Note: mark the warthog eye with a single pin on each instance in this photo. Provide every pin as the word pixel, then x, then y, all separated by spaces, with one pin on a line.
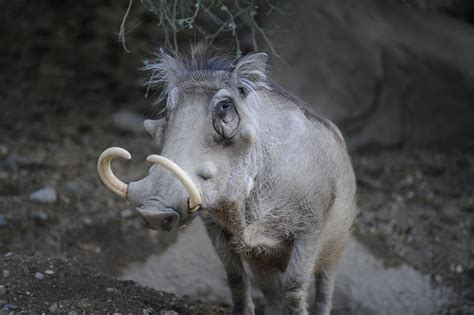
pixel 223 108
pixel 226 118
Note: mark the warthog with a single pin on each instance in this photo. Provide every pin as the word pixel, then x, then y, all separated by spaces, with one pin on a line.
pixel 273 184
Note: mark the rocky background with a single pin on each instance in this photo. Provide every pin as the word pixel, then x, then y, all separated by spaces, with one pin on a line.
pixel 396 76
pixel 385 71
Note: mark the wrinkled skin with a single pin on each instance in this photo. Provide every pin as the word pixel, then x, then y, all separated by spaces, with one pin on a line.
pixel 189 139
pixel 277 184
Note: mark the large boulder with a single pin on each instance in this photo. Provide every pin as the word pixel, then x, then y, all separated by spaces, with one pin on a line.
pixel 383 71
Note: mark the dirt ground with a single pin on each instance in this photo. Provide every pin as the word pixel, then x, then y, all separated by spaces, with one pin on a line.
pixel 58 92
pixel 417 207
pixel 49 285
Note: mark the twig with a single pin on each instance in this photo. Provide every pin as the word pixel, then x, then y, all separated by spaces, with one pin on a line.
pixel 122 27
pixel 226 17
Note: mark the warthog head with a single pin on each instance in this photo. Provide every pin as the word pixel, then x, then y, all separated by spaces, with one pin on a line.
pixel 207 139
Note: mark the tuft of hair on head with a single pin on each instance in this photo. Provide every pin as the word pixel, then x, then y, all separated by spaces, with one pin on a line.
pixel 163 72
pixel 168 70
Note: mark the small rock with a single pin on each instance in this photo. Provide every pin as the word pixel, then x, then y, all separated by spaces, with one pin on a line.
pixel 44 195
pixel 40 217
pixel 53 308
pixel 84 303
pixel 127 213
pixel 87 221
pixel 6 273
pixel 3 151
pixel 49 272
pixel 3 290
pixel 9 307
pixel 125 120
pixel 72 187
pixel 169 312
pixel 39 276
pixel 64 199
pixel 110 290
pixel 3 221
pixel 12 162
pixel 438 278
pixel 468 205
pixel 8 254
pixel 459 269
pixel 148 310
pixel 408 180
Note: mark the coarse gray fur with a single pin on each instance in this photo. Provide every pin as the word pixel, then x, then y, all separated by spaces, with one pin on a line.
pixel 277 183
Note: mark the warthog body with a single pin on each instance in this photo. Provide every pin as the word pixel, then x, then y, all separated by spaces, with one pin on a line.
pixel 277 185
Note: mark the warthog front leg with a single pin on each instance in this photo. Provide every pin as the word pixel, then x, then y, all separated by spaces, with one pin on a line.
pixel 324 282
pixel 236 276
pixel 298 274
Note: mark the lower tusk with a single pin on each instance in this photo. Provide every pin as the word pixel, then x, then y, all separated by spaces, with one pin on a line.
pixel 195 198
pixel 105 172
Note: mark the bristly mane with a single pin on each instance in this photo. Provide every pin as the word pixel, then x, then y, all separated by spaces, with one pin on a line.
pixel 167 71
pixel 204 63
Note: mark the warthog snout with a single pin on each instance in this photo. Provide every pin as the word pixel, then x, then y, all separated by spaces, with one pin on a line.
pixel 166 219
pixel 156 215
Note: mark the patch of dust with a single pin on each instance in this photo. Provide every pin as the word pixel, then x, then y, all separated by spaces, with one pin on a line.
pixel 190 267
pixel 365 286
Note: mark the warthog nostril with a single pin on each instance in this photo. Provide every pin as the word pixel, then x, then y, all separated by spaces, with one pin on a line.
pixel 166 219
pixel 166 223
pixel 170 221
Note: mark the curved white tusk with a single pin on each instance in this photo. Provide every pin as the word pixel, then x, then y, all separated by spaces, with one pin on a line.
pixel 106 174
pixel 195 198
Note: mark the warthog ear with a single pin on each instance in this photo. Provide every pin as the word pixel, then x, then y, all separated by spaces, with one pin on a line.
pixel 249 72
pixel 153 127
